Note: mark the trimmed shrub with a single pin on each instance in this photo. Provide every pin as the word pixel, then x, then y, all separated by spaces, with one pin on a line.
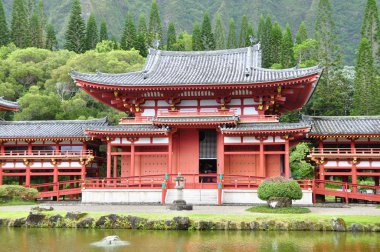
pixel 9 192
pixel 279 187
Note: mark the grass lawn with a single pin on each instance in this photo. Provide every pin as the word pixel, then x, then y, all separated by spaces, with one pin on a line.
pixel 16 202
pixel 282 210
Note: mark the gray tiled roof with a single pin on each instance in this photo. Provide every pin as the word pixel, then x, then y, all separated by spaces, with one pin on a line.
pixel 128 128
pixel 8 104
pixel 239 66
pixel 195 119
pixel 47 129
pixel 344 125
pixel 274 126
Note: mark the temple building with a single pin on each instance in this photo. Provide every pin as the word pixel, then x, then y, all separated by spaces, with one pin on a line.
pixel 211 116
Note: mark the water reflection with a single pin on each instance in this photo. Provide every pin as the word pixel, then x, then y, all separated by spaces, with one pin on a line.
pixel 80 240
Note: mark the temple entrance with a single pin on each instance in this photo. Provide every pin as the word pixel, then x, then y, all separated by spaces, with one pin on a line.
pixel 207 155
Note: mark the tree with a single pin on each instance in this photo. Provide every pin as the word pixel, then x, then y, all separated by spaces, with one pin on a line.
pixel 92 37
pixel 197 38
pixel 261 29
pixel 140 45
pixel 276 44
pixel 128 39
pixel 142 25
pixel 243 32
pixel 306 53
pixel 250 34
pixel 231 40
pixel 76 31
pixel 51 40
pixel 43 23
pixel 220 42
pixel 371 30
pixel 36 32
pixel 265 31
pixel 184 42
pixel 172 37
pixel 206 33
pixel 301 35
pixel 103 33
pixel 4 32
pixel 20 25
pixel 299 167
pixel 366 87
pixel 155 27
pixel 287 54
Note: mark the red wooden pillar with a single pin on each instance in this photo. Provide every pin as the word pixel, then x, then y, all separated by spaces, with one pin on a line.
pixel 55 181
pixel 115 166
pixel 27 169
pixel 132 159
pixel 353 167
pixel 220 156
pixel 170 155
pixel 109 159
pixel 2 151
pixel 262 157
pixel 287 165
pixel 83 171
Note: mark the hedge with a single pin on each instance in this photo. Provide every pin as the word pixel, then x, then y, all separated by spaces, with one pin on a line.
pixel 9 192
pixel 279 187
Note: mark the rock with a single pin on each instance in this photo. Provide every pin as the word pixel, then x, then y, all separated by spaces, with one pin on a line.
pixel 4 222
pixel 75 215
pixel 112 221
pixel 181 223
pixel 355 227
pixel 299 226
pixel 55 220
pixel 179 205
pixel 18 222
pixel 254 225
pixel 137 222
pixel 277 202
pixel 231 226
pixel 35 219
pixel 338 224
pixel 41 209
pixel 204 225
pixel 85 223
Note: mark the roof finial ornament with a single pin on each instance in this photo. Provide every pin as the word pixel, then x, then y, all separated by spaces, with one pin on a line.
pixel 156 43
pixel 252 39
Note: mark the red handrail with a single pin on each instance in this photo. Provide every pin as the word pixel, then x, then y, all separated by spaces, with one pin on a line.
pixel 46 153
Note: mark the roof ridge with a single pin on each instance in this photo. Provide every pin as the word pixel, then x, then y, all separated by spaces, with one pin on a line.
pixel 201 53
pixel 307 117
pixel 96 120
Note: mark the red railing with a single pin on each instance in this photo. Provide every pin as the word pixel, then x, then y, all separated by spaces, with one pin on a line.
pixel 241 181
pixel 49 153
pixel 306 184
pixel 148 181
pixel 258 118
pixel 346 190
pixel 57 189
pixel 345 151
pixel 137 119
pixel 195 181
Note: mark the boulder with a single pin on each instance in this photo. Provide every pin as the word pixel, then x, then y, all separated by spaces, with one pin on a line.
pixel 277 202
pixel 85 223
pixel 181 223
pixel 338 224
pixel 75 215
pixel 35 219
pixel 137 222
pixel 55 220
pixel 4 222
pixel 355 227
pixel 18 222
pixel 41 209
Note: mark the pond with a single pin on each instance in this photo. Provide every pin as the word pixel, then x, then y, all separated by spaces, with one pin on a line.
pixel 71 240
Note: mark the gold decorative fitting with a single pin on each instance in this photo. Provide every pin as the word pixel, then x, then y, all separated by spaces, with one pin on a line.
pixel 354 160
pixel 53 161
pixel 26 162
pixel 116 93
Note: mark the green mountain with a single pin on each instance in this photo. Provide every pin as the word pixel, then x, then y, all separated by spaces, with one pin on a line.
pixel 348 14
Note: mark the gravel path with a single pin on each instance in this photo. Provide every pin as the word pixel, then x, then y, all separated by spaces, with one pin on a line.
pixel 352 210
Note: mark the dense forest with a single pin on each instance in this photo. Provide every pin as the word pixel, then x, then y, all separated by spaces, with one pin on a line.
pixel 42 41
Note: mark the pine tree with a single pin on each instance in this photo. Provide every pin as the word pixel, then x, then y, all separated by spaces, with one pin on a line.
pixel 276 44
pixel 231 40
pixel 287 53
pixel 51 40
pixel 250 34
pixel 42 16
pixel 20 25
pixel 364 100
pixel 206 33
pixel 4 32
pixel 265 32
pixel 301 35
pixel 35 29
pixel 172 37
pixel 155 27
pixel 243 32
pixel 371 30
pixel 128 39
pixel 197 38
pixel 260 28
pixel 220 42
pixel 92 37
pixel 142 25
pixel 103 33
pixel 140 44
pixel 76 31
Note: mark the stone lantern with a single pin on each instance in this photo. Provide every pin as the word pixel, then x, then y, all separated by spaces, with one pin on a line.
pixel 180 204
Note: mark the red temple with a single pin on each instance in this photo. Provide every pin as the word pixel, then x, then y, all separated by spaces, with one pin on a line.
pixel 212 116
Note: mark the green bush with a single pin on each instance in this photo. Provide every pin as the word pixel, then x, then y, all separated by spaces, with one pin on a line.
pixel 11 192
pixel 279 187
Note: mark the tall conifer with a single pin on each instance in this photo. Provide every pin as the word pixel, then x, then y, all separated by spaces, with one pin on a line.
pixel 76 30
pixel 172 37
pixel 4 32
pixel 287 53
pixel 207 35
pixel 260 28
pixel 103 33
pixel 220 42
pixel 301 35
pixel 250 34
pixel 197 38
pixel 20 25
pixel 265 32
pixel 141 43
pixel 92 36
pixel 128 39
pixel 155 26
pixel 243 32
pixel 35 29
pixel 276 44
pixel 51 40
pixel 142 24
pixel 231 40
pixel 371 30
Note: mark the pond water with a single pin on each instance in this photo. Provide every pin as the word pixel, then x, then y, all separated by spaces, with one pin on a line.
pixel 71 240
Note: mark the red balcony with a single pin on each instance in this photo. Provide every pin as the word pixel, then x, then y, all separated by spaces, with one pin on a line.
pixel 47 154
pixel 343 153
